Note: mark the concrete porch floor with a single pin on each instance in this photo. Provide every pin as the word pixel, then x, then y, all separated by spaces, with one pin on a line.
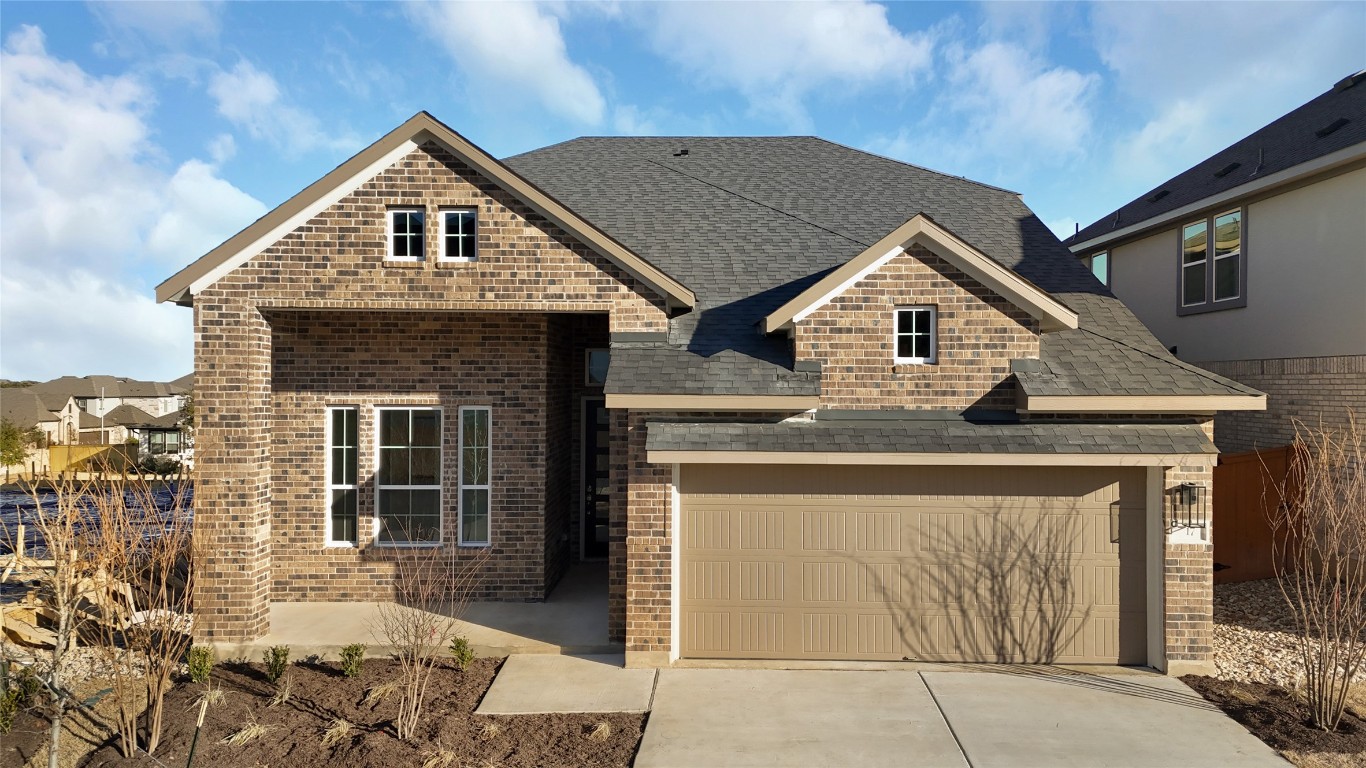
pixel 572 620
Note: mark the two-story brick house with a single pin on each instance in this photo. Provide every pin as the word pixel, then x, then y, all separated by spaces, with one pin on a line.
pixel 806 402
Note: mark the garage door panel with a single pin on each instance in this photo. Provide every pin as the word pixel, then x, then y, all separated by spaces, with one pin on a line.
pixel 1021 565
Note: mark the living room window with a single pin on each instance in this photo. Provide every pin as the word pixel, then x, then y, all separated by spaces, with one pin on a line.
pixel 475 456
pixel 458 240
pixel 409 481
pixel 914 335
pixel 407 237
pixel 1212 272
pixel 342 493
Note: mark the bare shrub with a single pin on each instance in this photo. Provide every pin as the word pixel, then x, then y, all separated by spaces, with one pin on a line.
pixel 341 730
pixel 1319 537
pixel 438 757
pixel 142 590
pixel 380 692
pixel 284 687
pixel 432 590
pixel 246 734
pixel 490 731
pixel 600 732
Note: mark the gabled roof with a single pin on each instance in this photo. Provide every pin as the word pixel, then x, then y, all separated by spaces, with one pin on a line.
pixel 97 385
pixel 420 128
pixel 24 408
pixel 921 230
pixel 1326 133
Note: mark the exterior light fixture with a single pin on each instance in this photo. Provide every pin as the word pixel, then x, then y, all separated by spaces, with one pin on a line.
pixel 1189 506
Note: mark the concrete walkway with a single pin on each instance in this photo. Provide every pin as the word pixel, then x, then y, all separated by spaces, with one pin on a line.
pixel 538 683
pixel 572 620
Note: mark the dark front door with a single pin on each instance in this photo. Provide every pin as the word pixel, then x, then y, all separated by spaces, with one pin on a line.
pixel 596 486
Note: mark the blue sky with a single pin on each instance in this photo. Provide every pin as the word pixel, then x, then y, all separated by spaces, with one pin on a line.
pixel 134 137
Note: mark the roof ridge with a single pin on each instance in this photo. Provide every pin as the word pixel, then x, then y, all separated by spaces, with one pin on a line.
pixel 945 174
pixel 760 203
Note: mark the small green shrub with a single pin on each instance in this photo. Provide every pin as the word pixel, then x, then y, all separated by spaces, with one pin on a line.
pixel 277 660
pixel 9 707
pixel 26 686
pixel 462 653
pixel 352 657
pixel 200 661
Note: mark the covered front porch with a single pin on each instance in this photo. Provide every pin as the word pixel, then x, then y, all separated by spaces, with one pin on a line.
pixel 571 620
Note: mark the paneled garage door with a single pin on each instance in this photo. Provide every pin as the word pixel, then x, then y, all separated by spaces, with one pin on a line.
pixel 1002 564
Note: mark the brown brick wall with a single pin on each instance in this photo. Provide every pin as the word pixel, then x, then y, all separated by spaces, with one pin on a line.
pixel 376 359
pixel 979 333
pixel 1189 578
pixel 1312 389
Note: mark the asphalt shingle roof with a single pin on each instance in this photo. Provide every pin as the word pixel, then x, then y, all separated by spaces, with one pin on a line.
pixel 748 223
pixel 925 436
pixel 1284 143
pixel 23 407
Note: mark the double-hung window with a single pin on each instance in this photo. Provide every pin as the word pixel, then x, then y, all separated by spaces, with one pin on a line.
pixel 342 493
pixel 914 335
pixel 475 456
pixel 407 239
pixel 409 482
pixel 458 236
pixel 1212 263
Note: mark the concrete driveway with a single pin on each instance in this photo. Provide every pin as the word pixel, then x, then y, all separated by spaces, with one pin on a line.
pixel 1025 717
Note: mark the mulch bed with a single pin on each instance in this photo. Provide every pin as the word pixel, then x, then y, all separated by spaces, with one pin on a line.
pixel 1272 715
pixel 319 694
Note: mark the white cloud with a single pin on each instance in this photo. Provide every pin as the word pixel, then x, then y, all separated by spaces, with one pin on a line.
pixel 90 219
pixel 222 147
pixel 251 99
pixel 173 25
pixel 510 51
pixel 777 54
pixel 1191 71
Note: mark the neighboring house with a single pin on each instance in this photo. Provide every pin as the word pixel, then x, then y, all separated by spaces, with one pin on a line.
pixel 806 402
pixel 98 395
pixel 1276 300
pixel 110 409
pixel 26 410
pixel 156 435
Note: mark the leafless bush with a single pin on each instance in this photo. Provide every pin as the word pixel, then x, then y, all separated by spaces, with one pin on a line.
pixel 144 595
pixel 1319 536
pixel 432 590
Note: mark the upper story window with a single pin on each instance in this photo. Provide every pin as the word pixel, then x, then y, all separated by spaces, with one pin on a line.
pixel 458 234
pixel 915 335
pixel 407 237
pixel 1099 264
pixel 1212 274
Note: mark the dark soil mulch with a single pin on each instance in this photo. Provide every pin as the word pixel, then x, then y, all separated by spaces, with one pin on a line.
pixel 1272 714
pixel 27 738
pixel 319 694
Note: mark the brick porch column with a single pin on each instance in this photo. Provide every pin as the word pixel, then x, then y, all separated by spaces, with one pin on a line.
pixel 232 462
pixel 1189 583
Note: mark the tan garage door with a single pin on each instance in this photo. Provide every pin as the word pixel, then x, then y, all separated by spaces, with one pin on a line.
pixel 1007 564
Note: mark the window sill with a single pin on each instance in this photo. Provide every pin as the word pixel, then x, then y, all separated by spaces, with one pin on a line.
pixel 407 544
pixel 456 263
pixel 405 263
pixel 912 366
pixel 339 545
pixel 1214 306
pixel 475 545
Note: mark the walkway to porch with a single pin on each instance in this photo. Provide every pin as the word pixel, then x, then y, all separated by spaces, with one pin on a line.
pixel 572 620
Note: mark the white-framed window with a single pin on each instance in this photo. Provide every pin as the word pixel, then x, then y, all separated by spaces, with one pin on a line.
pixel 1099 264
pixel 407 234
pixel 408 477
pixel 1212 263
pixel 914 335
pixel 595 366
pixel 459 238
pixel 476 456
pixel 343 495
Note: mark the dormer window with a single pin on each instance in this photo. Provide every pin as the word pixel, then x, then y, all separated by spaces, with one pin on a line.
pixel 407 238
pixel 914 335
pixel 458 234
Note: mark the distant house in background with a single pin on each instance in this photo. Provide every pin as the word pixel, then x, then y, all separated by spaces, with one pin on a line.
pixel 93 410
pixel 1252 264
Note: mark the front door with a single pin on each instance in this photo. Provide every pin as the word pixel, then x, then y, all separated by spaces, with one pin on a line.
pixel 595 483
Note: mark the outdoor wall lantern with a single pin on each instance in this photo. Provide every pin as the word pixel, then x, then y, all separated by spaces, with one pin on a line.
pixel 1189 506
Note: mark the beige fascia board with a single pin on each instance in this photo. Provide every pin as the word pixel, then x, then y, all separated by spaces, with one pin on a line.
pixel 922 230
pixel 793 403
pixel 1184 404
pixel 1329 162
pixel 356 170
pixel 933 459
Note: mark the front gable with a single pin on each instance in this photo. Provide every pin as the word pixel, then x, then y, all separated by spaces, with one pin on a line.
pixel 977 334
pixel 332 237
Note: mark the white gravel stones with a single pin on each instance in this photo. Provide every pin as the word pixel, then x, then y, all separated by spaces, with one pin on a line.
pixel 1254 635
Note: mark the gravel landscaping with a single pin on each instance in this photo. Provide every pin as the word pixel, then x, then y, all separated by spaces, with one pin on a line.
pixel 1254 635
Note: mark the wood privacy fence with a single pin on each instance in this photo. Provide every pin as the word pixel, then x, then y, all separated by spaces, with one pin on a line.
pixel 1244 497
pixel 82 457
